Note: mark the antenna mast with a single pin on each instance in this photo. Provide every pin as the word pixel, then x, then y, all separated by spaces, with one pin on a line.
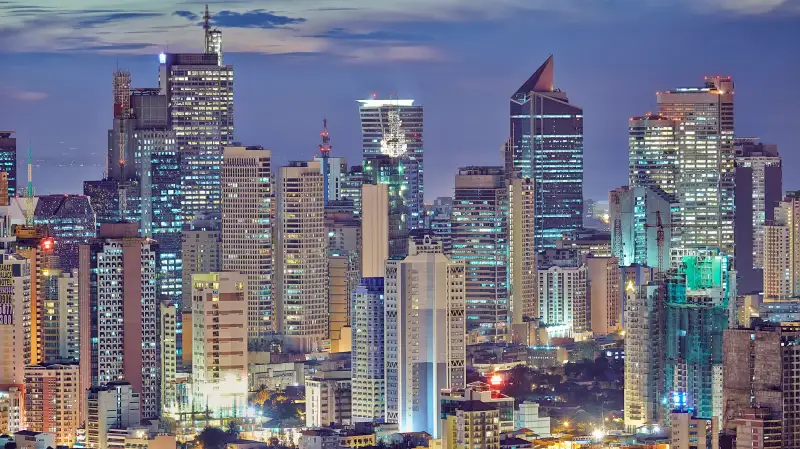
pixel 325 150
pixel 29 199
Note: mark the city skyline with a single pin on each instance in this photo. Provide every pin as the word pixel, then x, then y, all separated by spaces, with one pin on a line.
pixel 476 63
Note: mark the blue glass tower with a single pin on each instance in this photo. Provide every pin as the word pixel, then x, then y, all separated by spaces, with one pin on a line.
pixel 8 160
pixel 547 145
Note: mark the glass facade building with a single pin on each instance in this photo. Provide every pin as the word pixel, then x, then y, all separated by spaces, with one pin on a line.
pixel 70 221
pixel 8 160
pixel 547 146
pixel 383 169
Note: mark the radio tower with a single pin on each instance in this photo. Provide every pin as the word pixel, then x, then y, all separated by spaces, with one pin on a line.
pixel 325 151
pixel 29 200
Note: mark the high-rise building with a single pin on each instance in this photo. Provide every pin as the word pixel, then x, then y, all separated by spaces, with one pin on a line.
pixel 15 317
pixel 698 307
pixel 394 127
pixel 374 230
pixel 219 336
pixel 344 272
pixel 642 316
pixel 479 232
pixel 5 200
pixel 761 370
pixel 200 247
pixel 563 296
pixel 351 187
pixel 247 230
pixel 758 189
pixel 199 90
pixel 705 188
pixel 521 254
pixel 301 257
pixel 634 213
pixel 653 153
pixel 115 405
pixel 118 312
pixel 167 327
pixel 59 320
pixel 547 146
pixel 425 337
pixel 368 351
pixel 604 298
pixel 8 160
pixel 782 250
pixel 112 200
pixel 52 400
pixel 70 221
pixel 386 170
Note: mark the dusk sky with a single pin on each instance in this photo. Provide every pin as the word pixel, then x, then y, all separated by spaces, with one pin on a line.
pixel 299 61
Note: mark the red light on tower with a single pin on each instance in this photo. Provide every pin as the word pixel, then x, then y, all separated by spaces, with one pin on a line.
pixel 496 380
pixel 47 244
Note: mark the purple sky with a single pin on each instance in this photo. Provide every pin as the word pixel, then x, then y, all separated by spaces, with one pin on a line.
pixel 461 61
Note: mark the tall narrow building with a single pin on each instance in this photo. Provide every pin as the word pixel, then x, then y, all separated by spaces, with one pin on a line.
pixel 199 90
pixel 480 240
pixel 118 309
pixel 394 127
pixel 344 273
pixel 547 146
pixel 386 170
pixel 8 160
pixel 521 255
pixel 247 230
pixel 425 337
pixel 782 250
pixel 368 369
pixel 705 129
pixel 15 316
pixel 301 257
pixel 759 186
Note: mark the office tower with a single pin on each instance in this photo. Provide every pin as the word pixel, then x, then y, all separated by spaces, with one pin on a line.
pixel 547 146
pixel 59 318
pixel 8 160
pixel 705 188
pixel 219 334
pixel 70 221
pixel 115 405
pixel 200 248
pixel 118 310
pixel 344 272
pixel 15 317
pixel 351 187
pixel 368 351
pixel 383 169
pixel 634 213
pixel 563 297
pixel 301 253
pixel 425 336
pixel 167 327
pixel 604 298
pixel 199 90
pixel 761 371
pixel 782 250
pixel 692 432
pixel 328 399
pixel 52 400
pixel 479 232
pixel 375 230
pixel 642 316
pixel 697 310
pixel 521 254
pixel 758 190
pixel 653 153
pixel 394 127
pixel 112 200
pixel 247 231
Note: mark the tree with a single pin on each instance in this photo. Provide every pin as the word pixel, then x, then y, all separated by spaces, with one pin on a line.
pixel 11 445
pixel 233 429
pixel 213 438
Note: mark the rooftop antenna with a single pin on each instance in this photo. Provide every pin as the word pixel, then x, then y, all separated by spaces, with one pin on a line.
pixel 207 27
pixel 325 150
pixel 29 199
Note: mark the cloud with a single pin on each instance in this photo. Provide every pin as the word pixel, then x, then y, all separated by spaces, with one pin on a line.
pixel 22 95
pixel 385 36
pixel 405 53
pixel 257 18
pixel 187 15
pixel 106 18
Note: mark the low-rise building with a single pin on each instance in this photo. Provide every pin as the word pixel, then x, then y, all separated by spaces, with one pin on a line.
pixel 527 417
pixel 691 432
pixel 481 392
pixel 328 399
pixel 28 439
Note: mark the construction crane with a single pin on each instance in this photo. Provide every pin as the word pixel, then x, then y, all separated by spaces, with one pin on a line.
pixel 660 226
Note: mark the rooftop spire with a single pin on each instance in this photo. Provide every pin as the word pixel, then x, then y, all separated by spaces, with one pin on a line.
pixel 541 80
pixel 325 147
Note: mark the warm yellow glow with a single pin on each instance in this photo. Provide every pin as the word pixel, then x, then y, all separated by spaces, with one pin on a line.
pixel 629 287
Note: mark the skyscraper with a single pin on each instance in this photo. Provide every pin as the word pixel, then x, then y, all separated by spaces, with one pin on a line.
pixel 301 257
pixel 521 253
pixel 384 169
pixel 200 246
pixel 118 309
pixel 368 351
pixel 653 153
pixel 247 230
pixel 394 127
pixel 758 189
pixel 199 90
pixel 705 185
pixel 563 297
pixel 782 250
pixel 375 230
pixel 8 160
pixel 547 146
pixel 15 316
pixel 70 221
pixel 52 400
pixel 344 272
pixel 425 336
pixel 479 232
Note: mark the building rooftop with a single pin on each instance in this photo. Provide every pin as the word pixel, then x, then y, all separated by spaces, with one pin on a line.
pixel 476 406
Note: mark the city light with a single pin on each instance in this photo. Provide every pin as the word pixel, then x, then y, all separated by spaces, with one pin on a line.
pixel 496 379
pixel 598 434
